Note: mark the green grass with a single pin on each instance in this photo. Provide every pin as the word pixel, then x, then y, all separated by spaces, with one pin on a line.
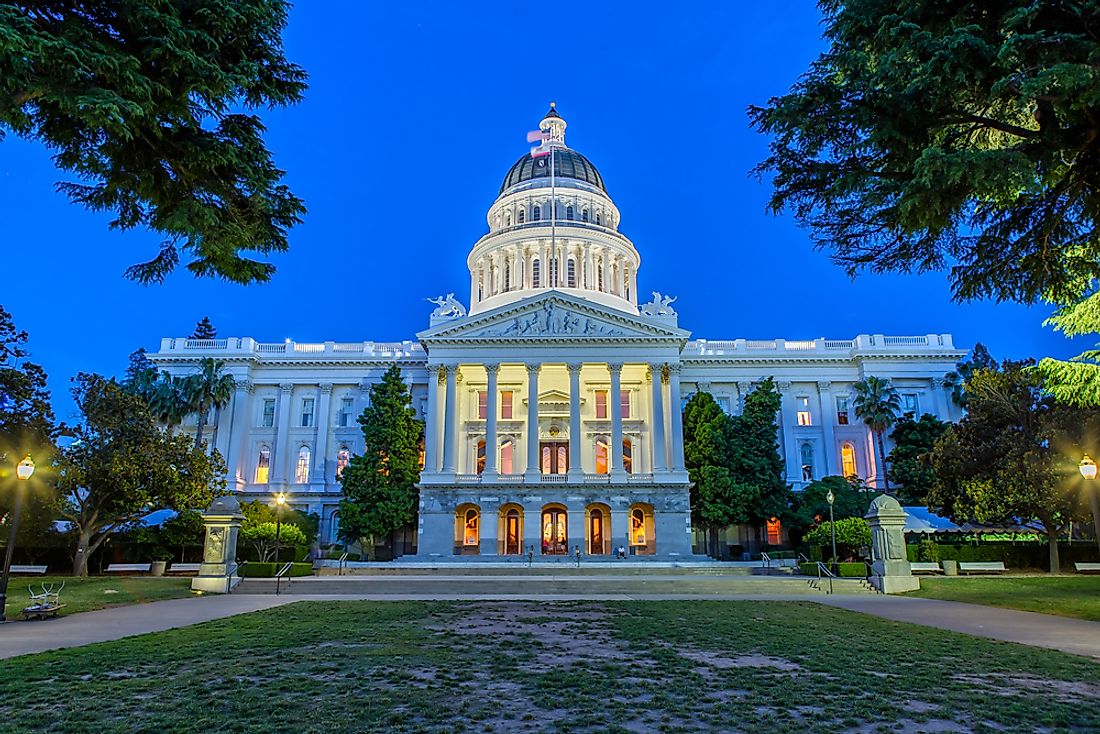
pixel 1066 596
pixel 83 595
pixel 434 667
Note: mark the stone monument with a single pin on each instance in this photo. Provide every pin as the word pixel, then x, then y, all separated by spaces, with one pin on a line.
pixel 891 572
pixel 222 521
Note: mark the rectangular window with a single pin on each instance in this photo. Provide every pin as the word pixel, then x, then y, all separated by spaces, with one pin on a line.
pixel 842 412
pixel 803 406
pixel 267 418
pixel 909 404
pixel 347 406
pixel 263 465
pixel 506 406
pixel 307 412
pixel 624 401
pixel 482 405
pixel 601 404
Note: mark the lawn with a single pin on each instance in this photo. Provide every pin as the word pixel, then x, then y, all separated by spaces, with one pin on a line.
pixel 95 592
pixel 342 667
pixel 1066 596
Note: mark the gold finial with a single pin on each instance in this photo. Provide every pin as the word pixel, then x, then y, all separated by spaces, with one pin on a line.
pixel 553 105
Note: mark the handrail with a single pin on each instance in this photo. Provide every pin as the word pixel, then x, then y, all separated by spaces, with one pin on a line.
pixel 284 570
pixel 343 563
pixel 230 573
pixel 803 558
pixel 765 559
pixel 823 569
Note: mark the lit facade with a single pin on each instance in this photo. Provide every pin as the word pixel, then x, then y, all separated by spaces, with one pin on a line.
pixel 552 407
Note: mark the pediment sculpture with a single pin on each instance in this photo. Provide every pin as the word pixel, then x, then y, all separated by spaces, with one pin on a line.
pixel 446 308
pixel 551 320
pixel 659 306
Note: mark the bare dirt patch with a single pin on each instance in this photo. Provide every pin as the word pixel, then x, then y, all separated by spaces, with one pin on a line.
pixel 753 660
pixel 1011 685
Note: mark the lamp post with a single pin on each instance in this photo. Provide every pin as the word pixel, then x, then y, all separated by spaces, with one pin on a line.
pixel 1087 467
pixel 830 498
pixel 23 472
pixel 280 500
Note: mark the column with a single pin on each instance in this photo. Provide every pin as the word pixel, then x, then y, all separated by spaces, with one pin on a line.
pixel 544 266
pixel 282 423
pixel 743 390
pixel 532 469
pixel 450 420
pixel 939 394
pixel 606 271
pixel 828 417
pixel 324 420
pixel 615 405
pixel 431 421
pixel 491 448
pixel 676 417
pixel 238 432
pixel 589 276
pixel 576 471
pixel 657 419
pixel 522 274
pixel 786 419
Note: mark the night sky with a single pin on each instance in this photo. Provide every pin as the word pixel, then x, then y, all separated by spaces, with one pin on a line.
pixel 415 112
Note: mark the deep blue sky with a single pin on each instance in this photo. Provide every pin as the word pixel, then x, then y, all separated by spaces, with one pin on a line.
pixel 414 114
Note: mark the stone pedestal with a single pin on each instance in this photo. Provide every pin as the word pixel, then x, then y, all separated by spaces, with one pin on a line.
pixel 891 573
pixel 217 574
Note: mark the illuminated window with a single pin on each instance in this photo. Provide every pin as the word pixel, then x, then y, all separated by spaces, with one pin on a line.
pixel 343 456
pixel 807 462
pixel 628 456
pixel 601 456
pixel 569 213
pixel 842 411
pixel 571 273
pixel 637 526
pixel 307 412
pixel 909 404
pixel 481 457
pixel 520 215
pixel 848 460
pixel 775 531
pixel 536 214
pixel 803 405
pixel 506 404
pixel 536 273
pixel 263 465
pixel 624 403
pixel 506 457
pixel 301 469
pixel 267 419
pixel 601 404
pixel 470 533
pixel 482 405
pixel 347 406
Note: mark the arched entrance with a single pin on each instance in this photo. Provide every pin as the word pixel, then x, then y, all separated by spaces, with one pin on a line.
pixel 511 530
pixel 642 542
pixel 555 537
pixel 597 530
pixel 467 530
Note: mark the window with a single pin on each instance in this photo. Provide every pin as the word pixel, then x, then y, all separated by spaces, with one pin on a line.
pixel 506 404
pixel 267 418
pixel 599 274
pixel 601 456
pixel 481 456
pixel 909 404
pixel 571 273
pixel 482 405
pixel 263 465
pixel 301 469
pixel 343 456
pixel 848 460
pixel 536 214
pixel 553 272
pixel 569 213
pixel 508 219
pixel 807 462
pixel 520 215
pixel 343 418
pixel 599 218
pixel 775 531
pixel 842 411
pixel 508 275
pixel 637 526
pixel 470 533
pixel 628 456
pixel 624 403
pixel 536 273
pixel 802 404
pixel 626 283
pixel 307 412
pixel 506 457
pixel 584 215
pixel 601 404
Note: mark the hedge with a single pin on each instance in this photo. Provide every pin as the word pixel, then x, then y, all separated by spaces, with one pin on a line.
pixel 256 569
pixel 847 570
pixel 1014 556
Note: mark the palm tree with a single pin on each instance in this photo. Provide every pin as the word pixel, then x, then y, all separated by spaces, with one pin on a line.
pixel 166 400
pixel 208 388
pixel 877 404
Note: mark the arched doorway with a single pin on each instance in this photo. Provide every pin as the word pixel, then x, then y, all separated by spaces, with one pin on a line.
pixel 642 540
pixel 555 537
pixel 598 530
pixel 511 530
pixel 467 530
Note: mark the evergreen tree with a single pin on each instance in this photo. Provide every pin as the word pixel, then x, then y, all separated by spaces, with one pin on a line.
pixel 980 359
pixel 380 485
pixel 707 433
pixel 877 404
pixel 911 457
pixel 757 464
pixel 810 507
pixel 205 330
pixel 1077 381
pixel 148 105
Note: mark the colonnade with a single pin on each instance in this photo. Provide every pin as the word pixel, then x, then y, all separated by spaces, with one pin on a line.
pixel 595 268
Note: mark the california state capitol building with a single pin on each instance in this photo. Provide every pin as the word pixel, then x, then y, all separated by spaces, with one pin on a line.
pixel 552 404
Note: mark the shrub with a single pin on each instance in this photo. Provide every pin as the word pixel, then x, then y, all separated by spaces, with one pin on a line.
pixel 262 537
pixel 928 551
pixel 852 532
pixel 264 570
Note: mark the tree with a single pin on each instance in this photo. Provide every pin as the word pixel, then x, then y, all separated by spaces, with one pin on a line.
pixel 209 389
pixel 852 533
pixel 380 485
pixel 181 530
pixel 1077 381
pixel 122 466
pixel 262 537
pixel 911 457
pixel 148 105
pixel 1006 461
pixel 757 463
pixel 980 359
pixel 949 133
pixel 258 512
pixel 877 404
pixel 205 330
pixel 168 400
pixel 810 507
pixel 707 455
pixel 26 418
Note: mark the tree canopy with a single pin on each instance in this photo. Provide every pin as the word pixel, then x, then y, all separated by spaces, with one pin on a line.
pixel 810 507
pixel 204 329
pixel 952 134
pixel 149 106
pixel 262 537
pixel 911 458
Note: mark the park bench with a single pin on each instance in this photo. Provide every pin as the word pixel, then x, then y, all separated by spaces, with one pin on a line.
pixel 29 569
pixel 923 567
pixel 129 568
pixel 969 567
pixel 184 568
pixel 1087 567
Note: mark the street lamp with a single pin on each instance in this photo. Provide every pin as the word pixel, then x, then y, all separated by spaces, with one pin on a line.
pixel 280 500
pixel 830 498
pixel 23 471
pixel 1087 467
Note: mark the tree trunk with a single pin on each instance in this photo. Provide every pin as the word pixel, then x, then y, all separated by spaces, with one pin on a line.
pixel 1095 512
pixel 201 425
pixel 80 561
pixel 1052 541
pixel 882 461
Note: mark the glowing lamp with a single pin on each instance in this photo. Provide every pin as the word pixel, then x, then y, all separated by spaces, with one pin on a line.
pixel 26 468
pixel 830 497
pixel 1087 467
pixel 280 499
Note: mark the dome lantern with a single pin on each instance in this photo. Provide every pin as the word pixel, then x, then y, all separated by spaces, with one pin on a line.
pixel 555 125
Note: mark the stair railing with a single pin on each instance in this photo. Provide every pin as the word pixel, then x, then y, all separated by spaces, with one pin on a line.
pixel 823 570
pixel 343 563
pixel 766 559
pixel 232 577
pixel 282 572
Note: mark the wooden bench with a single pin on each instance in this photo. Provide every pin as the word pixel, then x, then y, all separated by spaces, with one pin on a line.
pixel 29 569
pixel 184 568
pixel 981 567
pixel 1087 567
pixel 922 567
pixel 129 567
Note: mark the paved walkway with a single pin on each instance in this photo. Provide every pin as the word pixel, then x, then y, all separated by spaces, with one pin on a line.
pixel 1074 636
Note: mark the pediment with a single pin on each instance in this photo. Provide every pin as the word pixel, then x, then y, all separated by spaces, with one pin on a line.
pixel 552 316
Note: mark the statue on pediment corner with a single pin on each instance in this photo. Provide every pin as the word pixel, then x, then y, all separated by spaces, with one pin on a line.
pixel 660 306
pixel 446 307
